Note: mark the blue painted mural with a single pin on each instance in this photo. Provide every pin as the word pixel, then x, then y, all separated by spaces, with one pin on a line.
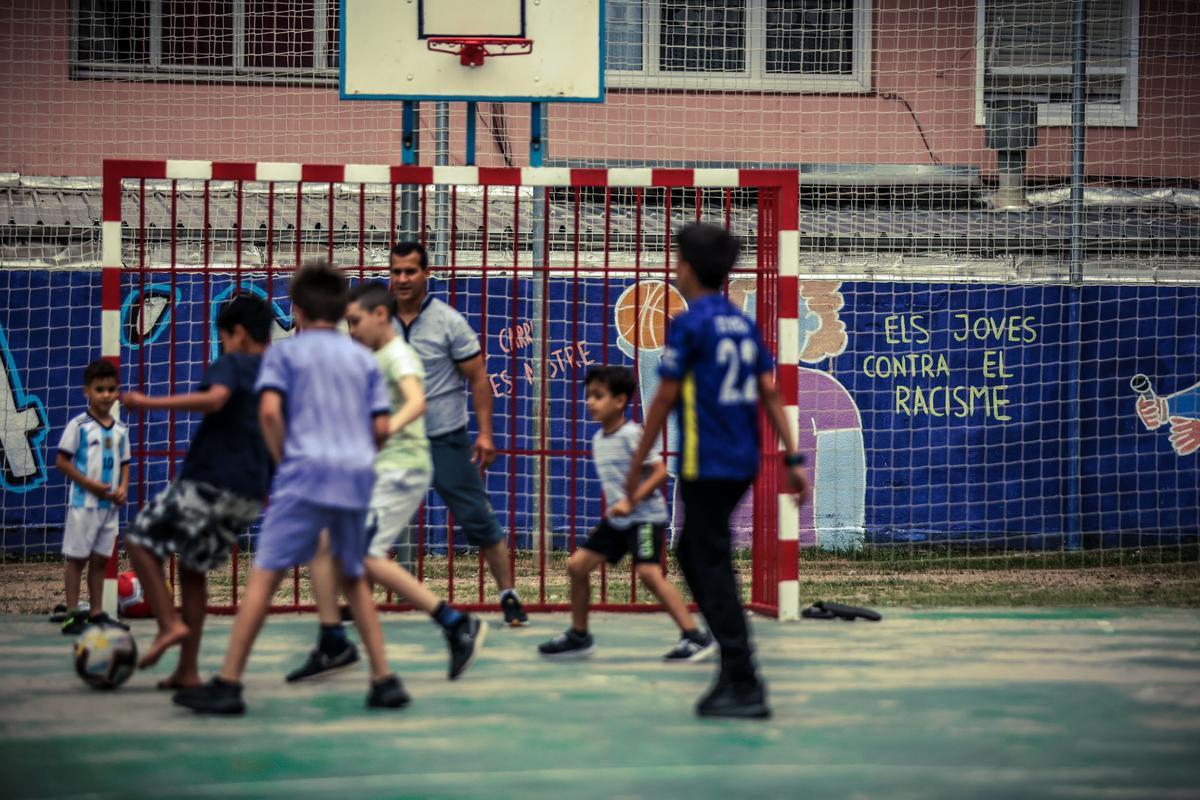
pixel 932 412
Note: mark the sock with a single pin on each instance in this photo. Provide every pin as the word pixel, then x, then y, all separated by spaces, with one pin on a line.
pixel 580 634
pixel 446 615
pixel 332 639
pixel 696 635
pixel 508 592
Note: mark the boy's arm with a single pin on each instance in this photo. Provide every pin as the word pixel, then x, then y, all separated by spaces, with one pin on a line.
pixel 381 427
pixel 656 478
pixel 209 401
pixel 66 467
pixel 768 393
pixel 414 404
pixel 122 492
pixel 656 419
pixel 271 420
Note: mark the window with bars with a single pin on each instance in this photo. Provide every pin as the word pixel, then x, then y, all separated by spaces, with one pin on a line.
pixel 242 40
pixel 1025 51
pixel 767 45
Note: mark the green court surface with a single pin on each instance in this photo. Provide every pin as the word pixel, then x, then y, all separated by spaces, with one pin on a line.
pixel 958 704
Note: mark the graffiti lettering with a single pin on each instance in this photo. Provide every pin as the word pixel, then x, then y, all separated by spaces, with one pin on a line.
pixel 1011 329
pixel 558 364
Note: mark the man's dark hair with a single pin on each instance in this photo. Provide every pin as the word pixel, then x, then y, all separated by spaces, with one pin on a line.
pixel 408 248
pixel 320 291
pixel 373 294
pixel 249 311
pixel 618 380
pixel 98 370
pixel 710 249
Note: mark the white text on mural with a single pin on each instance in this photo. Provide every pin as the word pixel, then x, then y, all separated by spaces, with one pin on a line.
pixel 984 393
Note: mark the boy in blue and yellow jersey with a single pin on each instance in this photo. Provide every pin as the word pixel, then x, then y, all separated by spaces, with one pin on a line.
pixel 94 455
pixel 715 370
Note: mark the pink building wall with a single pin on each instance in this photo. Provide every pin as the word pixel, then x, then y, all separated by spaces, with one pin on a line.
pixel 923 52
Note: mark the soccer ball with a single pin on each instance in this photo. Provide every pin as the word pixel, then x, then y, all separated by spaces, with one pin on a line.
pixel 105 656
pixel 131 599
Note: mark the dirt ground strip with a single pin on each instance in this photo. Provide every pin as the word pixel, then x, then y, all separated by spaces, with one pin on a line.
pixel 34 588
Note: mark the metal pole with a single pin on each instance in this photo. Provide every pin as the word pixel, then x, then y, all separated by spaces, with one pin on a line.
pixel 410 196
pixel 539 259
pixel 441 194
pixel 1078 134
pixel 1078 129
pixel 471 114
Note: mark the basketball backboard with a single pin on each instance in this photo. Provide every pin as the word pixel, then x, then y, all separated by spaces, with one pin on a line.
pixel 386 55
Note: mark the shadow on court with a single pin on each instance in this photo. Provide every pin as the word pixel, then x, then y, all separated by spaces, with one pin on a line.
pixel 979 703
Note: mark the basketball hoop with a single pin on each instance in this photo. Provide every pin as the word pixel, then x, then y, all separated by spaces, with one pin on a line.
pixel 472 52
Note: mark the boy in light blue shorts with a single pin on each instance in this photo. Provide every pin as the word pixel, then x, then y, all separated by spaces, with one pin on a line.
pixel 324 408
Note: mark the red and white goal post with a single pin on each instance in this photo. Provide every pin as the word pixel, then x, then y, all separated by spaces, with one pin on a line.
pixel 540 260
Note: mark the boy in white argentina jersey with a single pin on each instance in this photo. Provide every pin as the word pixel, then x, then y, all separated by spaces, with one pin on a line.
pixel 404 472
pixel 94 455
pixel 633 524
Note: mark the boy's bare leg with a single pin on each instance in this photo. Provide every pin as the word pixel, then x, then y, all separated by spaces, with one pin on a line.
pixel 390 575
pixel 171 629
pixel 323 577
pixel 248 622
pixel 96 564
pixel 194 589
pixel 496 556
pixel 580 567
pixel 656 582
pixel 366 620
pixel 72 577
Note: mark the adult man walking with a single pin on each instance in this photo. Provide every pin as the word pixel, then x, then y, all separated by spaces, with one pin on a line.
pixel 449 350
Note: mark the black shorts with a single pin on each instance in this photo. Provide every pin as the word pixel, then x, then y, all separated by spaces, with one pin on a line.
pixel 643 539
pixel 197 522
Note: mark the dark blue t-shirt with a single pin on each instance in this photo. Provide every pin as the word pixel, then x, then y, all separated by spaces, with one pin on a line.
pixel 717 354
pixel 228 450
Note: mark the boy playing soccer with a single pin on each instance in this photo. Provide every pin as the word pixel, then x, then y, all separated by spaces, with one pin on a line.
pixel 323 409
pixel 94 455
pixel 218 493
pixel 715 369
pixel 636 524
pixel 404 472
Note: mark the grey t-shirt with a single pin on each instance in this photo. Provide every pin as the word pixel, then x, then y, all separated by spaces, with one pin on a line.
pixel 612 454
pixel 443 339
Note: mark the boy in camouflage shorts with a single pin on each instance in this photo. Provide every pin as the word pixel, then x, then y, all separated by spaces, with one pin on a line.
pixel 219 491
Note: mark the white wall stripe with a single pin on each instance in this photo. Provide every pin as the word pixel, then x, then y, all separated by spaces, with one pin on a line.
pixel 368 173
pixel 110 244
pixel 277 171
pixel 716 177
pixel 789 341
pixel 789 601
pixel 624 176
pixel 190 170
pixel 110 332
pixel 545 176
pixel 456 175
pixel 789 253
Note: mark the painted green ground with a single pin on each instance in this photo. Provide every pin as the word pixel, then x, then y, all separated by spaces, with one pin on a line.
pixel 955 703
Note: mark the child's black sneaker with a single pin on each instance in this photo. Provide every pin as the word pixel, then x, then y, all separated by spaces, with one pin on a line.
pixel 319 663
pixel 698 647
pixel 215 697
pixel 735 701
pixel 60 613
pixel 465 640
pixel 514 612
pixel 568 645
pixel 106 621
pixel 75 622
pixel 387 693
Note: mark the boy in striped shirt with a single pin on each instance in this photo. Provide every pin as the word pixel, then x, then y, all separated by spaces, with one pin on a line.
pixel 94 455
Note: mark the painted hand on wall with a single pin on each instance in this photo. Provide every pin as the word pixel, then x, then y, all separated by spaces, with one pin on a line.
pixel 1180 410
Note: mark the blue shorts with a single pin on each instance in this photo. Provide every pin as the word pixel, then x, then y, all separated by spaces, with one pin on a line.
pixel 291 531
